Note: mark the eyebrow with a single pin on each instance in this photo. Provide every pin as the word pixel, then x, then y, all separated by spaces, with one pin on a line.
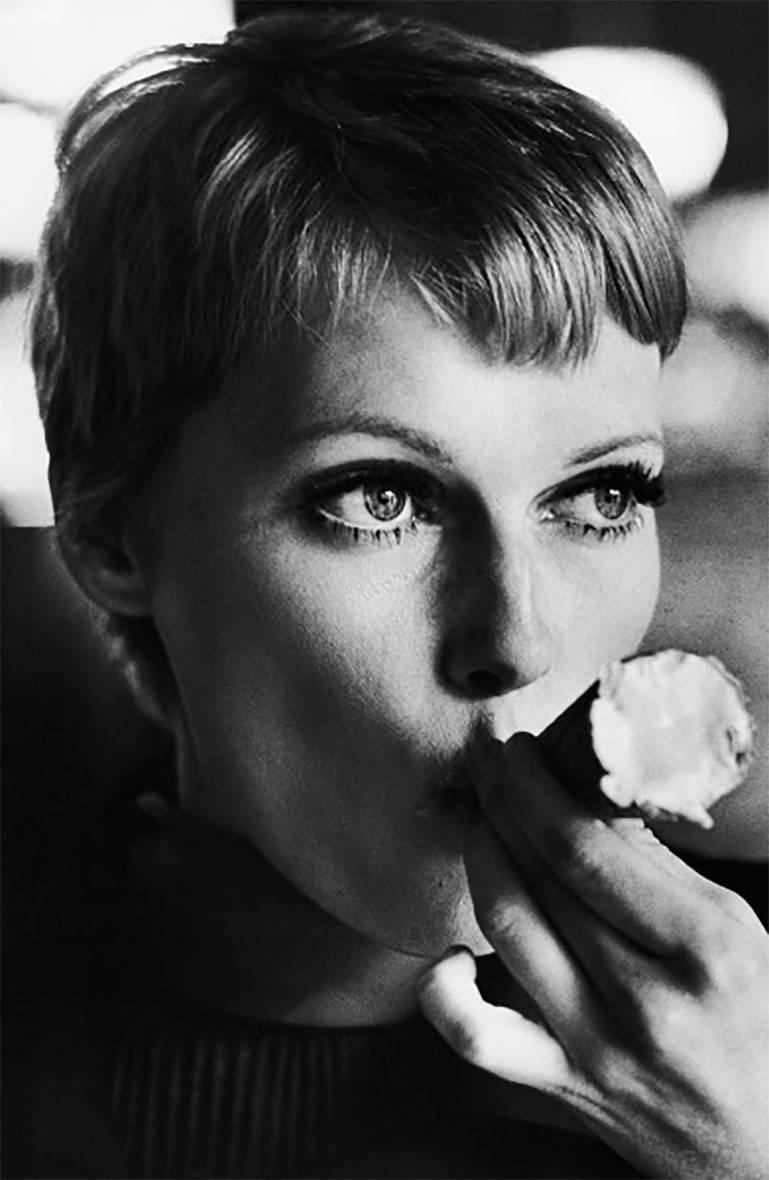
pixel 618 443
pixel 377 427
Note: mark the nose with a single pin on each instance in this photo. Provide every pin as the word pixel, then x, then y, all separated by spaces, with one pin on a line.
pixel 499 636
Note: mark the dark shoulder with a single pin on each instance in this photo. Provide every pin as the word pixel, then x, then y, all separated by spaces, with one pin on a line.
pixel 56 1120
pixel 66 945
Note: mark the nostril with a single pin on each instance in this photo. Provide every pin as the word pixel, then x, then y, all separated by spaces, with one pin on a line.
pixel 484 684
pixel 478 678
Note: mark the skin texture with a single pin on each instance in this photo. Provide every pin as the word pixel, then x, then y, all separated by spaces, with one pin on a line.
pixel 327 685
pixel 651 982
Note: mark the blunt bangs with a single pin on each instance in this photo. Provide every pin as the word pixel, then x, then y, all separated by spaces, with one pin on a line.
pixel 233 195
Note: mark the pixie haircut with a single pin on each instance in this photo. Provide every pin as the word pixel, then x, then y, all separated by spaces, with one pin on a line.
pixel 219 198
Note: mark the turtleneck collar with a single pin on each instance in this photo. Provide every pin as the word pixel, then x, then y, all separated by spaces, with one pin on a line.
pixel 231 933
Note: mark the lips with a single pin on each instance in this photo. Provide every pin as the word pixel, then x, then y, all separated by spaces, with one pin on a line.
pixel 453 794
pixel 458 794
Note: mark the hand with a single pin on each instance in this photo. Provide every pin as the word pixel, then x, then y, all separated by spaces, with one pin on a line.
pixel 651 981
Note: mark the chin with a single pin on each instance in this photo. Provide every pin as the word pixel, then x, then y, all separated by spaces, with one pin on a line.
pixel 439 922
pixel 462 932
pixel 436 942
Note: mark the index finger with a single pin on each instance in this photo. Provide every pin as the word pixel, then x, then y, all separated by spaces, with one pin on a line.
pixel 625 880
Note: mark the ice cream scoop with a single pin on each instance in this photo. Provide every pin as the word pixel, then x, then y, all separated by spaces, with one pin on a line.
pixel 663 735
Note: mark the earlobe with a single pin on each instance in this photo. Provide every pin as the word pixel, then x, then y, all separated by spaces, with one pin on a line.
pixel 110 574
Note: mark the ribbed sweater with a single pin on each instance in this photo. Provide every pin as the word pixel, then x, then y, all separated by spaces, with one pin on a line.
pixel 196 1094
pixel 113 1073
pixel 201 1094
pixel 105 1074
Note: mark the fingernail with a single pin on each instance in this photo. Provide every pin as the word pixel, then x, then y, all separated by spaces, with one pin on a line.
pixel 485 763
pixel 520 746
pixel 457 949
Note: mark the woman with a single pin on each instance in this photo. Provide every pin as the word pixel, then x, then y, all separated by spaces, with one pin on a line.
pixel 348 343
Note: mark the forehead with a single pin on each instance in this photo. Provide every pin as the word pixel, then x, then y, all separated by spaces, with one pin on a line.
pixel 397 364
pixel 399 353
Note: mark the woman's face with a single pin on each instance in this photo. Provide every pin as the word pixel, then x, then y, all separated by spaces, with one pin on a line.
pixel 366 557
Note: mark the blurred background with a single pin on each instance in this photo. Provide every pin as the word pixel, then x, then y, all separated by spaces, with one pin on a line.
pixel 690 79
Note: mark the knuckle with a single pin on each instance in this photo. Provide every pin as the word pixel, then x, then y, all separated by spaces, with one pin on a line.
pixel 469 1041
pixel 576 853
pixel 728 947
pixel 735 907
pixel 500 923
pixel 610 1073
pixel 667 1023
pixel 706 952
pixel 654 1019
pixel 735 971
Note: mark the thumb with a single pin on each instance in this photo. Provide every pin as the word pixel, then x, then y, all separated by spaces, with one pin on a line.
pixel 496 1039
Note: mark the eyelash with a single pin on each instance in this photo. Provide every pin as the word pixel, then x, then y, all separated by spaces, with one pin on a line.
pixel 356 533
pixel 645 488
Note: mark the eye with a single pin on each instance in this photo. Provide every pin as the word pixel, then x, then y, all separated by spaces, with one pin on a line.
pixel 382 504
pixel 385 503
pixel 370 504
pixel 605 503
pixel 612 502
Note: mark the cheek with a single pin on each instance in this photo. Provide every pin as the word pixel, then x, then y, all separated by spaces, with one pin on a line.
pixel 600 602
pixel 353 649
pixel 325 657
pixel 626 594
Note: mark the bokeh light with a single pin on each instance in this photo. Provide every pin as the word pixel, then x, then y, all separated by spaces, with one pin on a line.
pixel 727 249
pixel 50 50
pixel 27 144
pixel 670 104
pixel 24 496
pixel 714 403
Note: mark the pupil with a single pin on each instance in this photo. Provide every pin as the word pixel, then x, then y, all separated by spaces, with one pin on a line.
pixel 612 502
pixel 384 503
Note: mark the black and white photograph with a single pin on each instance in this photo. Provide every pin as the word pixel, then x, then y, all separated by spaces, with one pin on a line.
pixel 384 509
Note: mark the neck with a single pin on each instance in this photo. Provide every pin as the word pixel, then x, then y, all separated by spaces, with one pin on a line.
pixel 234 935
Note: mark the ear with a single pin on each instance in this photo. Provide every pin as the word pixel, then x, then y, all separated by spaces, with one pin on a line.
pixel 109 572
